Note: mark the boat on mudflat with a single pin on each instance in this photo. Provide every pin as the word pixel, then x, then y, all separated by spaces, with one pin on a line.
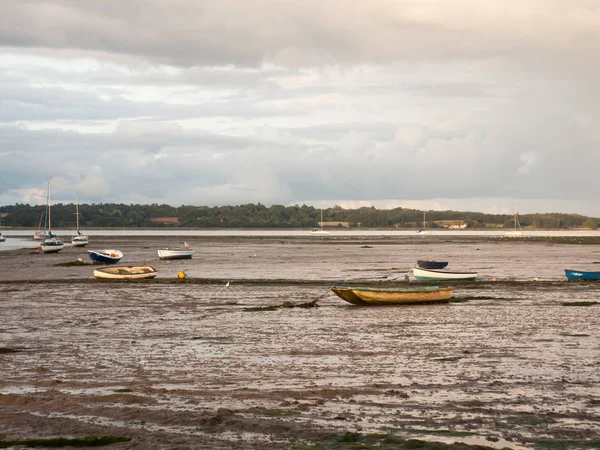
pixel 175 253
pixel 125 272
pixel 581 275
pixel 393 295
pixel 428 264
pixel 105 256
pixel 442 275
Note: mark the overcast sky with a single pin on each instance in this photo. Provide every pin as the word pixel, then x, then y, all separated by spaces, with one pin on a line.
pixel 480 105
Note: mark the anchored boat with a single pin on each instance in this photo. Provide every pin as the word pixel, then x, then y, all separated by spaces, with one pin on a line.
pixel 432 264
pixel 175 253
pixel 581 275
pixel 105 256
pixel 126 272
pixel 442 275
pixel 393 296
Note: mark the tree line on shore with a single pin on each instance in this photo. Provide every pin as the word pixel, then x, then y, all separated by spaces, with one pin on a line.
pixel 106 215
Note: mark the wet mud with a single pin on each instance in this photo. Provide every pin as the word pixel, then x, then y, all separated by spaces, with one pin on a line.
pixel 199 363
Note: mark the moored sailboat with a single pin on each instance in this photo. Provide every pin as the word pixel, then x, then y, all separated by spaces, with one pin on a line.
pixel 51 243
pixel 80 240
pixel 40 233
pixel 516 232
pixel 320 230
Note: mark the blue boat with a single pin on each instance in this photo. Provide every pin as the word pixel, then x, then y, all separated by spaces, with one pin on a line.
pixel 581 275
pixel 105 256
pixel 431 264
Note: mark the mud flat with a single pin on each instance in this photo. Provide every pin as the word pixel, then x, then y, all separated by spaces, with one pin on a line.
pixel 512 363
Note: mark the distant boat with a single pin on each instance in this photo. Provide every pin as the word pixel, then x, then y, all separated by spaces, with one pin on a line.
pixel 320 230
pixel 175 253
pixel 581 275
pixel 105 256
pixel 125 272
pixel 51 243
pixel 80 240
pixel 442 275
pixel 2 238
pixel 392 296
pixel 428 264
pixel 40 234
pixel 423 231
pixel 516 232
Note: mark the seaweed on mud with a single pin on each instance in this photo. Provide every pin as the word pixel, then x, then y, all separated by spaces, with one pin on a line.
pixel 452 433
pixel 582 303
pixel 388 441
pixel 89 441
pixel 71 264
pixel 123 390
pixel 566 445
pixel 277 412
pixel 286 304
pixel 449 359
pixel 4 350
pixel 261 308
pixel 575 335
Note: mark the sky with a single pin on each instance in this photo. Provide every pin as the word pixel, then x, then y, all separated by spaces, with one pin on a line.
pixel 478 105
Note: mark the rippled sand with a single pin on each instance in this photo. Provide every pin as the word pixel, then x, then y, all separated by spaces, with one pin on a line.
pixel 187 364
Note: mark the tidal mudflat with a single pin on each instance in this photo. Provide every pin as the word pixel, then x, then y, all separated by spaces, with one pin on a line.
pixel 197 363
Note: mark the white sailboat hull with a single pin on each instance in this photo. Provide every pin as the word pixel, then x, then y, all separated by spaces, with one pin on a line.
pixel 52 245
pixel 80 241
pixel 165 253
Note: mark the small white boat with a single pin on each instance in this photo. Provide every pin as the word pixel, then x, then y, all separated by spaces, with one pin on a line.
pixel 80 240
pixel 175 253
pixel 442 275
pixel 319 230
pixel 105 256
pixel 125 272
pixel 516 232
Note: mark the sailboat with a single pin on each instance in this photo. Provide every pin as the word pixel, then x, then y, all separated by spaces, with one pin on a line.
pixel 40 234
pixel 320 230
pixel 51 244
pixel 80 240
pixel 423 231
pixel 517 227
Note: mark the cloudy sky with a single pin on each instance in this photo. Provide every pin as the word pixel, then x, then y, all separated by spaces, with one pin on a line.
pixel 479 105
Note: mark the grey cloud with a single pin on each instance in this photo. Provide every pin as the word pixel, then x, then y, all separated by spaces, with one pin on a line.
pixel 302 33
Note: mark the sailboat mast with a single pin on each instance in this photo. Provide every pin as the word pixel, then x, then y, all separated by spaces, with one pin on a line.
pixel 77 209
pixel 49 226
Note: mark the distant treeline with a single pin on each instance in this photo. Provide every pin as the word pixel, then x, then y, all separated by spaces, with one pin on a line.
pixel 105 215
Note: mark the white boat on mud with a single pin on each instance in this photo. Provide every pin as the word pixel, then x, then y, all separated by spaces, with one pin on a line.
pixel 442 275
pixel 175 253
pixel 125 272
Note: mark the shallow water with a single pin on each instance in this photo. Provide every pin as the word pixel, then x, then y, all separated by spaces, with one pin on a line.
pixel 513 363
